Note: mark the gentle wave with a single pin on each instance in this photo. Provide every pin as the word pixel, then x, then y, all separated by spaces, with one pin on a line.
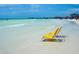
pixel 10 26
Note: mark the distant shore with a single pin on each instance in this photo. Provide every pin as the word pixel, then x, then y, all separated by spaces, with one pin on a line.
pixel 71 16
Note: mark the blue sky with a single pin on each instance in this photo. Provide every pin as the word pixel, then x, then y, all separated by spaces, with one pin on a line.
pixel 37 10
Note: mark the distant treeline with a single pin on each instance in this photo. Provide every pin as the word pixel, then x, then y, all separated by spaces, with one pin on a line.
pixel 71 16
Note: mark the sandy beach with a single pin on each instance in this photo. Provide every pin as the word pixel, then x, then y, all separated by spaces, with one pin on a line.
pixel 24 36
pixel 77 21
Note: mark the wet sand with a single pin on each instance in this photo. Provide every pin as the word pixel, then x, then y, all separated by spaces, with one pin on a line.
pixel 26 39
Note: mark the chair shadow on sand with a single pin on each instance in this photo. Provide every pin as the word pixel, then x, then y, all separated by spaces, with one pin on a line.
pixel 62 39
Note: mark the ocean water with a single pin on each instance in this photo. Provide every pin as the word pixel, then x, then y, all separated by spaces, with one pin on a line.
pixel 25 36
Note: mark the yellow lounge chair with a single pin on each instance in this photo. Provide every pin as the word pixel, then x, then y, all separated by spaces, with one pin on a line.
pixel 51 35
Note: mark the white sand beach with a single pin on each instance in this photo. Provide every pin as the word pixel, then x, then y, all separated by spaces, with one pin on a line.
pixel 77 21
pixel 24 37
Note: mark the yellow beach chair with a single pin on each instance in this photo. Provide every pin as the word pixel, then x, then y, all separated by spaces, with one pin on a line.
pixel 51 35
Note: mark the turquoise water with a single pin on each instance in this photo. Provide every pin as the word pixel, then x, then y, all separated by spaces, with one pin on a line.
pixel 24 36
pixel 30 24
